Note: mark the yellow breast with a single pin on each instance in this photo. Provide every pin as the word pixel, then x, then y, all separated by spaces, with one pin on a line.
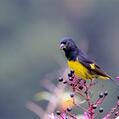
pixel 80 70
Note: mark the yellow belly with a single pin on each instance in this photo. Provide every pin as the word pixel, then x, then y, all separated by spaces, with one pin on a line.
pixel 79 70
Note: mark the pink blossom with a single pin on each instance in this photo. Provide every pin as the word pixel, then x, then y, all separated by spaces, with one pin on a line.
pixel 86 115
pixel 117 77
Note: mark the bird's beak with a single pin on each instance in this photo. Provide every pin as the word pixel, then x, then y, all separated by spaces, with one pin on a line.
pixel 62 46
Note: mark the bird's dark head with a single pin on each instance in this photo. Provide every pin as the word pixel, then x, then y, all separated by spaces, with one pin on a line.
pixel 67 44
pixel 69 47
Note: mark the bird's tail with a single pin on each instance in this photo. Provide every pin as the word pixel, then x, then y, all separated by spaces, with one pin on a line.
pixel 105 77
pixel 109 78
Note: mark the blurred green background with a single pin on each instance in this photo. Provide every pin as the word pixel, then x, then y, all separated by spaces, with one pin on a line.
pixel 30 32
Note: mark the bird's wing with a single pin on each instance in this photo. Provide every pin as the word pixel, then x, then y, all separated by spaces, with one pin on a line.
pixel 91 66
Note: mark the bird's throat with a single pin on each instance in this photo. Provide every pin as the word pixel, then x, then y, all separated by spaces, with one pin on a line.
pixel 71 55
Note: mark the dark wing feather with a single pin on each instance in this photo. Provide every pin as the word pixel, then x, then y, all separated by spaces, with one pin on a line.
pixel 87 62
pixel 100 72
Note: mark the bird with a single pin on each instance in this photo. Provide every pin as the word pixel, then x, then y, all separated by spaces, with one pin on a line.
pixel 78 61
